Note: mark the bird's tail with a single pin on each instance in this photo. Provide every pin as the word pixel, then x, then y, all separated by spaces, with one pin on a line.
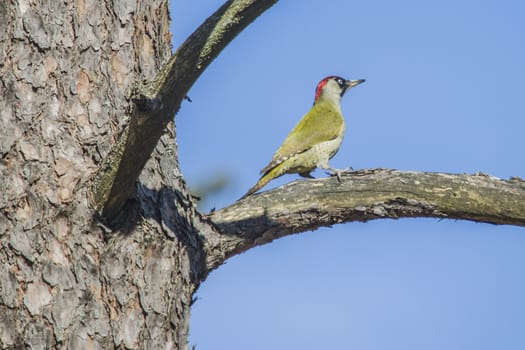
pixel 269 175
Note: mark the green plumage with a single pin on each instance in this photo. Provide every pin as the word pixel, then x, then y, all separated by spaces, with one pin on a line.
pixel 322 123
pixel 315 138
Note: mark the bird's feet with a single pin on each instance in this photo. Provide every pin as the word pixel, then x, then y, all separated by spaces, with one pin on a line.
pixel 337 172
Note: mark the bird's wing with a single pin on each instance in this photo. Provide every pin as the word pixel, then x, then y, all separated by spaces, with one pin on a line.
pixel 321 123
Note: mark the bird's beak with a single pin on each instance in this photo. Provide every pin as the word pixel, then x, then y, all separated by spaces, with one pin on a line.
pixel 351 83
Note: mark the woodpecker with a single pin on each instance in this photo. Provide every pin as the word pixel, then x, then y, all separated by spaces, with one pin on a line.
pixel 315 139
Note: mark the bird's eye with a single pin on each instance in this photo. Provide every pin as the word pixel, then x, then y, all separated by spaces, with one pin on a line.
pixel 340 81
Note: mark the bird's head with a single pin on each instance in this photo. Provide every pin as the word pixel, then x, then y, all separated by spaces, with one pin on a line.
pixel 334 87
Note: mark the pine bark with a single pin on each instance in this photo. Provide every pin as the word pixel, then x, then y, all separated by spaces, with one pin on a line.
pixel 363 195
pixel 66 279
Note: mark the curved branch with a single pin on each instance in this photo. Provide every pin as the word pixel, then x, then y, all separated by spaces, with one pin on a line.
pixel 157 101
pixel 361 196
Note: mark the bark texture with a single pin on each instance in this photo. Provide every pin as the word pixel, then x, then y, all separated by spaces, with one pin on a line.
pixel 367 195
pixel 66 281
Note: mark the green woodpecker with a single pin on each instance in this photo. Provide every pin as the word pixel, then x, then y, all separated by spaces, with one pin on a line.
pixel 315 139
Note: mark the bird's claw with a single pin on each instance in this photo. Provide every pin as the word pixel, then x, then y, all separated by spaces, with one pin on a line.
pixel 337 172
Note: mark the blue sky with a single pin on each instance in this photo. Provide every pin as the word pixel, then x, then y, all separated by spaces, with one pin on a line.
pixel 444 92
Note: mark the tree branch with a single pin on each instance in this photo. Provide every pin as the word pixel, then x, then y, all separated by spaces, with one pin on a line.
pixel 361 196
pixel 157 101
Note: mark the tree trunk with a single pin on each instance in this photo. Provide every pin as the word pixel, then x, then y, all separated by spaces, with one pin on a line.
pixel 66 279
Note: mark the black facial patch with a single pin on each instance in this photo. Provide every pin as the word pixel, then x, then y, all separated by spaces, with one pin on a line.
pixel 342 84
